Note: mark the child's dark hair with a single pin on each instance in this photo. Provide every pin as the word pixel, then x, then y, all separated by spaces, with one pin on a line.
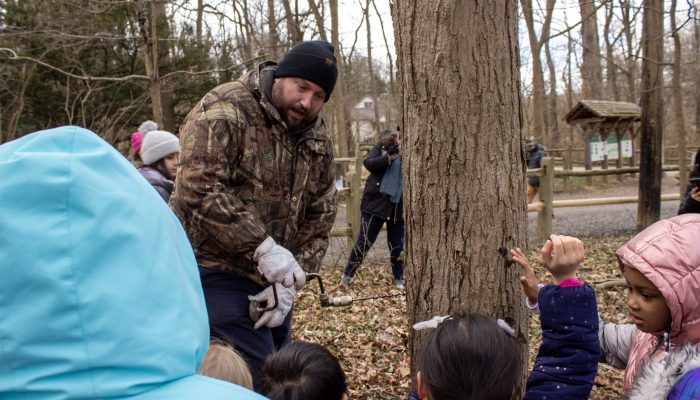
pixel 303 371
pixel 469 356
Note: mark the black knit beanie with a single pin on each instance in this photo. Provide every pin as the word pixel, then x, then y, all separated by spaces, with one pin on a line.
pixel 312 60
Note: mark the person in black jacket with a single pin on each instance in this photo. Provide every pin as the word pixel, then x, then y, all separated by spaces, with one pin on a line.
pixel 691 199
pixel 382 202
pixel 535 152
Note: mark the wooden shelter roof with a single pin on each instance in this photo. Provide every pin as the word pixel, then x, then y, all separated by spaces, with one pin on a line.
pixel 602 111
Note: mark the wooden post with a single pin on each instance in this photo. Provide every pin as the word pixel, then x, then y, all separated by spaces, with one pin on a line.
pixel 544 216
pixel 619 136
pixel 587 152
pixel 568 165
pixel 604 136
pixel 352 214
pixel 356 192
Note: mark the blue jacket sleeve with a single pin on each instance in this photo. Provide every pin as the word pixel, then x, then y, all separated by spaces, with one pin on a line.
pixel 688 387
pixel 567 362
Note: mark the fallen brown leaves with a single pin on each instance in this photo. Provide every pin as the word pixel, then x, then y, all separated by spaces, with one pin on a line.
pixel 370 337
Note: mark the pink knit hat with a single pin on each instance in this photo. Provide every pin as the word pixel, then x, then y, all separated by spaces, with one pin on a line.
pixel 136 140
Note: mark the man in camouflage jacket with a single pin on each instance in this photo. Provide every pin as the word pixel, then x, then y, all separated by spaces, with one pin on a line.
pixel 255 193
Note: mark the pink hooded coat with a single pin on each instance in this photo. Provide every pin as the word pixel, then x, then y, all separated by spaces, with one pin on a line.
pixel 668 254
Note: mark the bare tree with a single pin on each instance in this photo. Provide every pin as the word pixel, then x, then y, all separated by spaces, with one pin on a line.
pixel 200 20
pixel 370 69
pixel 591 75
pixel 678 101
pixel 628 22
pixel 293 30
pixel 150 55
pixel 339 98
pixel 610 41
pixel 273 37
pixel 552 117
pixel 538 89
pixel 464 165
pixel 388 106
pixel 651 136
pixel 319 19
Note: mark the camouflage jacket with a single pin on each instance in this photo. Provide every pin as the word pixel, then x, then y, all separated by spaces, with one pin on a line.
pixel 243 177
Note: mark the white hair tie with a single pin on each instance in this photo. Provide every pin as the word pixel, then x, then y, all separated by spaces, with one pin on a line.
pixel 437 320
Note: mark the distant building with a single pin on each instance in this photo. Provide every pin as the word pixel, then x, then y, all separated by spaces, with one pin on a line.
pixel 362 115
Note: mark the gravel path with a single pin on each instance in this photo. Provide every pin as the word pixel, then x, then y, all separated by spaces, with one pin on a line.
pixel 572 221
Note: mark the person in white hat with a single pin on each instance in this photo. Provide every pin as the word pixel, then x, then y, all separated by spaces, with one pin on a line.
pixel 160 152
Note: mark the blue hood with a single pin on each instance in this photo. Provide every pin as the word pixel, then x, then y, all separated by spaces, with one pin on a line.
pixel 99 291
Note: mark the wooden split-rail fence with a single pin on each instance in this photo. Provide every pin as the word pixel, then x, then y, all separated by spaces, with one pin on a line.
pixel 351 193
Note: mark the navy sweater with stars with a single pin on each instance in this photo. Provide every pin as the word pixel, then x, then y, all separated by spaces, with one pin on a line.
pixel 567 361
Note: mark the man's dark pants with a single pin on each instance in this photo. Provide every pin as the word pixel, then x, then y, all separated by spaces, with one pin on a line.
pixel 226 296
pixel 370 225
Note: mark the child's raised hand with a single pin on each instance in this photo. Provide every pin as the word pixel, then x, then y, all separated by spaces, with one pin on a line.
pixel 562 255
pixel 528 278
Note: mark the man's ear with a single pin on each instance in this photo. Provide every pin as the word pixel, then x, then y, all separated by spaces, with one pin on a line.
pixel 422 390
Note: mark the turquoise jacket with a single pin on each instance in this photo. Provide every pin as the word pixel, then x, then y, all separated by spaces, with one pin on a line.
pixel 99 291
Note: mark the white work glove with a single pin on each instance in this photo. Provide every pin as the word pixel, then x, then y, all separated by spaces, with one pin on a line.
pixel 285 299
pixel 278 265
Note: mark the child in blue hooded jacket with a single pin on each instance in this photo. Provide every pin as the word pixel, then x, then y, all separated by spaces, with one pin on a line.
pixel 89 309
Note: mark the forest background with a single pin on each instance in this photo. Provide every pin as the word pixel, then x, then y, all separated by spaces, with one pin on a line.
pixel 109 64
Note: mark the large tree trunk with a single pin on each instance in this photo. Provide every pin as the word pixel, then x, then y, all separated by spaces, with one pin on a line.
pixel 464 168
pixel 591 75
pixel 649 208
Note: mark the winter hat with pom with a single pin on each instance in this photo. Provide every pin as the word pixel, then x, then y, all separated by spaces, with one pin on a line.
pixel 147 126
pixel 158 144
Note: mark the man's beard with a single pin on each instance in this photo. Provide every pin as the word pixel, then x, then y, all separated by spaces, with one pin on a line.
pixel 296 110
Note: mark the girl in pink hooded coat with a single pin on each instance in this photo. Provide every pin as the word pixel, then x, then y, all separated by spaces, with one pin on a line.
pixel 660 351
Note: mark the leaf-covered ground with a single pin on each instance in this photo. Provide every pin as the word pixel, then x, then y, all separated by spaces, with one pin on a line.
pixel 370 337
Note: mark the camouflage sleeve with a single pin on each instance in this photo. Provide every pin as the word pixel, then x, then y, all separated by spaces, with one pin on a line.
pixel 217 221
pixel 314 232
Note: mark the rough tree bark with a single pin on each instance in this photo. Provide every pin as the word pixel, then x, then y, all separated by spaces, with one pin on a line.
pixel 464 164
pixel 649 208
